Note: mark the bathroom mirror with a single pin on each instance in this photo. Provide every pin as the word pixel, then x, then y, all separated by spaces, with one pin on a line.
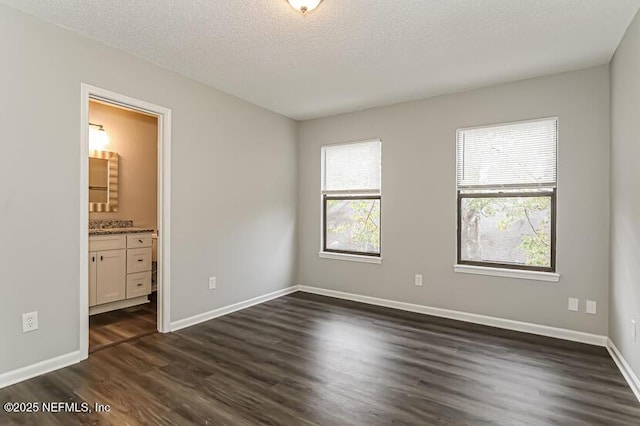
pixel 103 181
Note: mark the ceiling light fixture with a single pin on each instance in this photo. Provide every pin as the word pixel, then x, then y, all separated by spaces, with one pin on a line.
pixel 98 138
pixel 304 6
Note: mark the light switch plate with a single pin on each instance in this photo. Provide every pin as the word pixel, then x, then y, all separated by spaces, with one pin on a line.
pixel 573 304
pixel 212 283
pixel 591 307
pixel 634 330
pixel 418 280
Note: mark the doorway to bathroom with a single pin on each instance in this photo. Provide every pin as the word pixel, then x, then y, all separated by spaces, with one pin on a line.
pixel 125 221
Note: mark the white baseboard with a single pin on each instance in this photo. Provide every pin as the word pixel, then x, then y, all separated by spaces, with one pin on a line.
pixel 42 367
pixel 625 368
pixel 225 310
pixel 120 304
pixel 542 330
pixel 30 371
pixel 46 366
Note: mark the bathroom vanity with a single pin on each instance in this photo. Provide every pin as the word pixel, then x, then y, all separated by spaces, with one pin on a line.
pixel 120 267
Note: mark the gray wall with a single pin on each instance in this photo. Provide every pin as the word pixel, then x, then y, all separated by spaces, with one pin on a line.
pixel 419 201
pixel 233 185
pixel 625 196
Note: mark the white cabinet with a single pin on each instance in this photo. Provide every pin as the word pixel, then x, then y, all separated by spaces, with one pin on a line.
pixel 139 240
pixel 111 270
pixel 93 278
pixel 139 265
pixel 138 260
pixel 119 271
pixel 138 284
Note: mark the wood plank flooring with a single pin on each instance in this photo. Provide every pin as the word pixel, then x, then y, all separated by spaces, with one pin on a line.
pixel 111 328
pixel 310 360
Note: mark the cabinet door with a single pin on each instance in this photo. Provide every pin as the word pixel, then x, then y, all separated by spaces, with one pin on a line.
pixel 93 270
pixel 112 272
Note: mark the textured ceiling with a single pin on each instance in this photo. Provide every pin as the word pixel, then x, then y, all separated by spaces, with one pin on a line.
pixel 350 54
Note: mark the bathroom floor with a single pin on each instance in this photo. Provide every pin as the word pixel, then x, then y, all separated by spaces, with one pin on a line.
pixel 110 328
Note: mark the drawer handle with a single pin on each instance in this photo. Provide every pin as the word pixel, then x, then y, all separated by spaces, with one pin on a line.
pixel 101 258
pixel 140 260
pixel 139 284
pixel 93 259
pixel 140 241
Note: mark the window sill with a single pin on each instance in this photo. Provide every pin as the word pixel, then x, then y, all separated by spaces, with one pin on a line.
pixel 350 257
pixel 508 273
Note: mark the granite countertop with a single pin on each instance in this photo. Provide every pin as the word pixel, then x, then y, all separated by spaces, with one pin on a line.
pixel 115 226
pixel 127 230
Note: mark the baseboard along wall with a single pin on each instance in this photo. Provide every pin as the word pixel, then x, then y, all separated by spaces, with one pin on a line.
pixel 226 310
pixel 525 327
pixel 25 373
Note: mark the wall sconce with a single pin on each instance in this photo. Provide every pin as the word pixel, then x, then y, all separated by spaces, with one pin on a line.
pixel 304 6
pixel 98 138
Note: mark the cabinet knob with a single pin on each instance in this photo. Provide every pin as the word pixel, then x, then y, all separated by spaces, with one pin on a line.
pixel 140 241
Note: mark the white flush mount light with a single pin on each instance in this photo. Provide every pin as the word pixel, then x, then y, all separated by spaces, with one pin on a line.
pixel 304 6
pixel 98 138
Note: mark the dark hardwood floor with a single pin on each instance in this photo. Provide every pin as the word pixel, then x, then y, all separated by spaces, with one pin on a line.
pixel 111 328
pixel 311 360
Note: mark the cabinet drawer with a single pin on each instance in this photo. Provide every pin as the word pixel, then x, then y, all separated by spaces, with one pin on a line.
pixel 107 242
pixel 138 260
pixel 139 240
pixel 138 284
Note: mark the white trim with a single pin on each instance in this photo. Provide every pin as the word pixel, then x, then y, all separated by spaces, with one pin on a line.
pixel 46 366
pixel 350 257
pixel 120 304
pixel 164 203
pixel 525 327
pixel 625 368
pixel 84 222
pixel 507 273
pixel 24 373
pixel 163 288
pixel 225 310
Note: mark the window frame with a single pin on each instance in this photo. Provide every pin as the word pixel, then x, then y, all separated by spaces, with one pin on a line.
pixel 543 192
pixel 347 194
pixel 350 197
pixel 509 190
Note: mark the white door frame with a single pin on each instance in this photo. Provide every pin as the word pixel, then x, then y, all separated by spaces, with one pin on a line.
pixel 164 203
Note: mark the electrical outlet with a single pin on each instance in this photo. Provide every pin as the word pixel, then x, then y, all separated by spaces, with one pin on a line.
pixel 418 280
pixel 634 330
pixel 212 283
pixel 573 304
pixel 591 307
pixel 29 321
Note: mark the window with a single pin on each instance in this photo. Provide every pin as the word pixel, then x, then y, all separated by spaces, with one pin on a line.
pixel 506 183
pixel 351 182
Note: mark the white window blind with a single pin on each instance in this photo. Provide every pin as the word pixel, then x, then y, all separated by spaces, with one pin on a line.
pixel 520 155
pixel 353 168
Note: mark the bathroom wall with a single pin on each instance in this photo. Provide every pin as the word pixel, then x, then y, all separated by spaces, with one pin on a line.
pixel 134 136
